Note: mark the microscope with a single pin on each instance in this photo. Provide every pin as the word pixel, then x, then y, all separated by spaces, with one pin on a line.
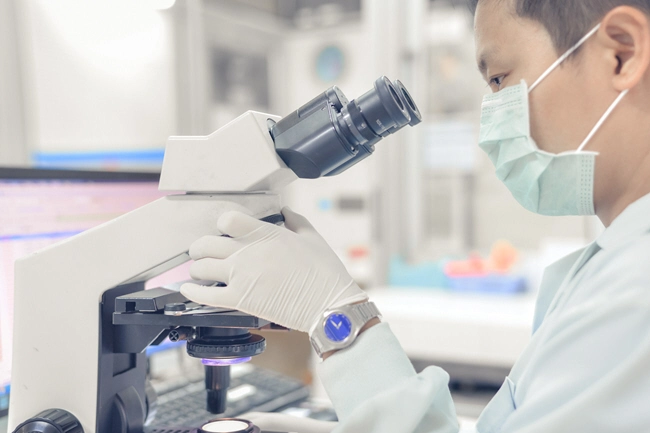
pixel 82 317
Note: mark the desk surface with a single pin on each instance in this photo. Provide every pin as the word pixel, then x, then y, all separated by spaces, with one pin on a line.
pixel 475 329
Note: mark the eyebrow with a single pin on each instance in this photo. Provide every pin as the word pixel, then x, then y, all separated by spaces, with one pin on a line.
pixel 483 62
pixel 482 66
pixel 489 57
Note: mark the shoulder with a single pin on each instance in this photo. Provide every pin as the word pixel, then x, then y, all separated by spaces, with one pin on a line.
pixel 629 261
pixel 625 267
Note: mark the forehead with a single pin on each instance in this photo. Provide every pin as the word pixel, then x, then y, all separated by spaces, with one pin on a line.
pixel 500 33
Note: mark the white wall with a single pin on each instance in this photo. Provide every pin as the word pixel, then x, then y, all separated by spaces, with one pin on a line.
pixel 99 75
pixel 12 149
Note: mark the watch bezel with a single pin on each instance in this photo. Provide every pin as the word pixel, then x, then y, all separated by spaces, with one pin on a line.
pixel 338 313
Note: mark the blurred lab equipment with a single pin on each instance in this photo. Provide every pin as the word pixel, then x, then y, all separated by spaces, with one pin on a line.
pixel 98 277
pixel 491 275
pixel 494 274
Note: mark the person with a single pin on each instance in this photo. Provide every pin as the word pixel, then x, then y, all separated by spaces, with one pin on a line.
pixel 568 129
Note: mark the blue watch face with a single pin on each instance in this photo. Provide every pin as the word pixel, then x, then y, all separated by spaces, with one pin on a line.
pixel 337 327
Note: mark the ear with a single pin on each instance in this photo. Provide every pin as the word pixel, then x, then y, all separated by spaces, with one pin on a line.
pixel 625 31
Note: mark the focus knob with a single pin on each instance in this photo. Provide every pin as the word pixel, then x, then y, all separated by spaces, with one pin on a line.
pixel 51 421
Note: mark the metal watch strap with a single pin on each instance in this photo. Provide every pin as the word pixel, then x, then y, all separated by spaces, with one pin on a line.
pixel 366 311
pixel 359 315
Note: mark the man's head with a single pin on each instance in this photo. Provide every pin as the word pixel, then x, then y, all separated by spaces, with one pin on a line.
pixel 568 20
pixel 519 39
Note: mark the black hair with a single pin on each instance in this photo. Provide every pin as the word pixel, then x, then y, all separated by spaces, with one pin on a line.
pixel 568 20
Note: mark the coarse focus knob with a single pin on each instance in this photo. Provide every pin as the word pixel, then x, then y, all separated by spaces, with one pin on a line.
pixel 51 421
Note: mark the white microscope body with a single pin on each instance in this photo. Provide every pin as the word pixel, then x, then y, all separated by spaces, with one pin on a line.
pixel 58 289
pixel 68 352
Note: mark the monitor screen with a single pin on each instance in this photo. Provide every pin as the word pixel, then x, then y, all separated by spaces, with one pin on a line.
pixel 42 207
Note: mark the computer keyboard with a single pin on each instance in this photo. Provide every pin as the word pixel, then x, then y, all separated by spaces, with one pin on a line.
pixel 181 407
pixel 251 389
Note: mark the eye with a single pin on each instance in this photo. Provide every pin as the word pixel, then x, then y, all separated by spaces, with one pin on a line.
pixel 496 82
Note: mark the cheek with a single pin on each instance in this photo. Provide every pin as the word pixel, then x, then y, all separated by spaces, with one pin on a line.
pixel 560 112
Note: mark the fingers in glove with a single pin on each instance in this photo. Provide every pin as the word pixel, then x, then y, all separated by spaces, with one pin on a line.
pixel 238 224
pixel 296 222
pixel 209 295
pixel 215 247
pixel 211 269
pixel 281 422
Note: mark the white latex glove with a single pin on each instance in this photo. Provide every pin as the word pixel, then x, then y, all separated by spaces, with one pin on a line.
pixel 287 275
pixel 277 422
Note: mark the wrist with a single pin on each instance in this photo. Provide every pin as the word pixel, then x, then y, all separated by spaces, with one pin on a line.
pixel 370 324
pixel 339 327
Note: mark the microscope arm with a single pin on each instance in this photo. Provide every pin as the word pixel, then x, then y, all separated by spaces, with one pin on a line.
pixel 59 289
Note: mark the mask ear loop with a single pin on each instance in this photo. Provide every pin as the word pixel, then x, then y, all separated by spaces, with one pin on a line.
pixel 564 57
pixel 603 119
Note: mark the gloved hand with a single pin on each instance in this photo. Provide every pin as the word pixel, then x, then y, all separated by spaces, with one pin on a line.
pixel 278 422
pixel 287 275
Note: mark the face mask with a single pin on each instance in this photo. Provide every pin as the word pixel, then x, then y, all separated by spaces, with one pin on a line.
pixel 542 182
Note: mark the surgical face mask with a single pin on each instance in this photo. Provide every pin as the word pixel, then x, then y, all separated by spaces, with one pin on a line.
pixel 542 182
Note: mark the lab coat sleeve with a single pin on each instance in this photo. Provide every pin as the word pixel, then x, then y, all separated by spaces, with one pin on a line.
pixel 592 373
pixel 375 389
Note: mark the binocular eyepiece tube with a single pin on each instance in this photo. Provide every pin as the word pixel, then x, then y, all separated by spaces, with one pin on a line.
pixel 330 134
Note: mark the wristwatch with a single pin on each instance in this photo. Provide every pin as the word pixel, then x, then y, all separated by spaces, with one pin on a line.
pixel 339 327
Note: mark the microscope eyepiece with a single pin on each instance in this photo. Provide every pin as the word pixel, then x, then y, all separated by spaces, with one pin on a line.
pixel 382 108
pixel 413 109
pixel 330 134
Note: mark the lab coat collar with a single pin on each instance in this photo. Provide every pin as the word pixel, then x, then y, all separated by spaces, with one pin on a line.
pixel 629 225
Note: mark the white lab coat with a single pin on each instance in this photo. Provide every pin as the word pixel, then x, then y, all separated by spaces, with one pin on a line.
pixel 586 369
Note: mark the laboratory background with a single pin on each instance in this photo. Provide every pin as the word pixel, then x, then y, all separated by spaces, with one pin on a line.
pixel 449 257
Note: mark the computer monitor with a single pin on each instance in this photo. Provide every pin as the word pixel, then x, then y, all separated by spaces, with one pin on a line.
pixel 39 207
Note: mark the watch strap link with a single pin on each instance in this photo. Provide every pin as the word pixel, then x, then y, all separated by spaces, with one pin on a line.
pixel 366 311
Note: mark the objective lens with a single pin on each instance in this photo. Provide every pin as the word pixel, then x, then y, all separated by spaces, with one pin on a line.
pixel 217 382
